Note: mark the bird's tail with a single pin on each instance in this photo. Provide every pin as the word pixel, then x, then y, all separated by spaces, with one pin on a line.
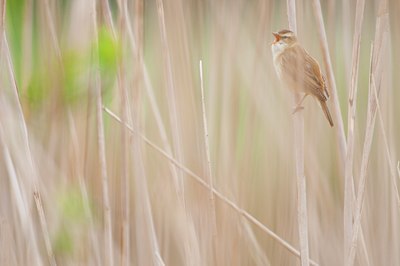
pixel 326 112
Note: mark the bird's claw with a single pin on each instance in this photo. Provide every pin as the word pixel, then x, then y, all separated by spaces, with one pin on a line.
pixel 297 108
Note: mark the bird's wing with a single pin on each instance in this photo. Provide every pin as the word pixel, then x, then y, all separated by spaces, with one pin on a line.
pixel 301 68
pixel 316 70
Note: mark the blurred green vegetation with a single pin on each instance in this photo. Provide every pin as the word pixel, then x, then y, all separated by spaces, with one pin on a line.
pixel 14 16
pixel 71 205
pixel 63 242
pixel 75 63
pixel 109 54
pixel 72 214
pixel 248 116
pixel 37 89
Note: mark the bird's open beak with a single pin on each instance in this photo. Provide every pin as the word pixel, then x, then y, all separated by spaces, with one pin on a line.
pixel 277 37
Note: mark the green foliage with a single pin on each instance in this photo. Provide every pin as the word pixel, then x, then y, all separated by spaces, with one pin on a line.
pixel 63 242
pixel 71 206
pixel 72 214
pixel 108 50
pixel 14 15
pixel 109 54
pixel 37 88
pixel 75 67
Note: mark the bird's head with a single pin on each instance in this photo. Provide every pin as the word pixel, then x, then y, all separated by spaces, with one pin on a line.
pixel 284 38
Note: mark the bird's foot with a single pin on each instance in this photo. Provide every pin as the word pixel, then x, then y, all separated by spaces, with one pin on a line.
pixel 297 108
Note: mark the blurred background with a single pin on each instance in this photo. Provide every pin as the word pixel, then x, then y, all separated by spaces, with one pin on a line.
pixel 80 187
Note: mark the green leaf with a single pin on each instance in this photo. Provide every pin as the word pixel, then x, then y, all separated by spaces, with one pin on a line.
pixel 109 54
pixel 14 15
pixel 63 242
pixel 71 205
pixel 75 65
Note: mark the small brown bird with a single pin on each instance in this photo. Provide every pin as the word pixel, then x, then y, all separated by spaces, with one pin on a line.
pixel 298 70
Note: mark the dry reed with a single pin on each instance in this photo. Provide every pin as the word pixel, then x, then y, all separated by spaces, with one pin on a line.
pixel 351 116
pixel 108 232
pixel 207 186
pixel 298 126
pixel 195 169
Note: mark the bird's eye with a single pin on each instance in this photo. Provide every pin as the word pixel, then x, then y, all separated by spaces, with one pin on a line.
pixel 284 37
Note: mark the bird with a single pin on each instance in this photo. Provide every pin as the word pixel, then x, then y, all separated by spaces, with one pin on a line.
pixel 299 71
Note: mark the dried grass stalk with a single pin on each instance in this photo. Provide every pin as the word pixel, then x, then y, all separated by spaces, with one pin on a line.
pixel 337 114
pixel 298 125
pixel 146 230
pixel 125 111
pixel 136 49
pixel 209 169
pixel 203 183
pixel 31 163
pixel 108 235
pixel 376 72
pixel 351 116
pixel 192 248
pixel 392 167
pixel 171 96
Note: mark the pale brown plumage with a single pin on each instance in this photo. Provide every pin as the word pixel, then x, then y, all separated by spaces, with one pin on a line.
pixel 298 70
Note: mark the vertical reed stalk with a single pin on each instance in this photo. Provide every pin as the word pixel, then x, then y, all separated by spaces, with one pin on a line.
pixel 351 116
pixel 52 28
pixel 136 47
pixel 83 189
pixel 125 184
pixel 108 235
pixel 203 183
pixel 376 71
pixel 25 219
pixel 337 114
pixel 298 126
pixel 31 164
pixel 392 167
pixel 209 169
pixel 145 228
pixel 171 90
pixel 351 253
pixel 191 251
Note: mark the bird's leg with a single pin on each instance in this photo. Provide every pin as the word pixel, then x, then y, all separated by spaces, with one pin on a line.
pixel 298 106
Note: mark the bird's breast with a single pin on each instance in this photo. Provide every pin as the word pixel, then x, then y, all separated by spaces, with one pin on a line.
pixel 276 53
